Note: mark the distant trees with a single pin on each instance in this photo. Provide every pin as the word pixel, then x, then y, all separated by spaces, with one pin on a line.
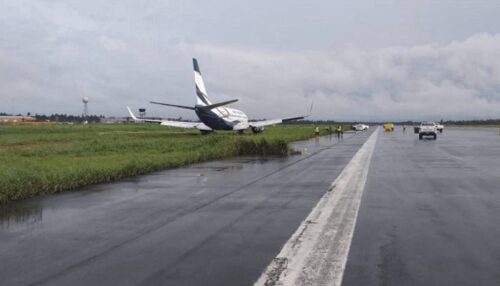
pixel 61 117
pixel 69 118
pixel 97 118
pixel 408 122
pixel 472 122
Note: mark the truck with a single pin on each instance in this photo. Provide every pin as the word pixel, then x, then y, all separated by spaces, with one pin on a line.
pixel 427 129
pixel 388 127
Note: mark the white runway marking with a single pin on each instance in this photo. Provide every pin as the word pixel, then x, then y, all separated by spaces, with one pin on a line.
pixel 316 254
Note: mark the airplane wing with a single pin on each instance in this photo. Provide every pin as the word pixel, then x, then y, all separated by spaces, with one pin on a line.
pixel 172 123
pixel 185 124
pixel 262 123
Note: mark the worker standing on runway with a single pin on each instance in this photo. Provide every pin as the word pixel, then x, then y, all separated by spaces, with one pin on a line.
pixel 316 131
pixel 340 133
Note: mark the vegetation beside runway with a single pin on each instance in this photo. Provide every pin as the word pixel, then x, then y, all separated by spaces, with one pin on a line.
pixel 38 160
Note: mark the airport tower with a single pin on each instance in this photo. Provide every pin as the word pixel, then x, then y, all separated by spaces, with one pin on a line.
pixel 142 112
pixel 85 101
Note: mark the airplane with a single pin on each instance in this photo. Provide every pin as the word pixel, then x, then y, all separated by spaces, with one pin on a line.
pixel 214 116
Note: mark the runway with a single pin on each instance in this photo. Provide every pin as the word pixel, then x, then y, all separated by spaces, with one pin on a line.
pixel 215 223
pixel 418 213
pixel 429 214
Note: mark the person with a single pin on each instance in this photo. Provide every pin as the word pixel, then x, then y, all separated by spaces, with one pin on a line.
pixel 404 128
pixel 339 131
pixel 316 131
pixel 330 132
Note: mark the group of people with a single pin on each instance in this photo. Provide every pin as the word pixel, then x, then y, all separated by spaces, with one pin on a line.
pixel 329 129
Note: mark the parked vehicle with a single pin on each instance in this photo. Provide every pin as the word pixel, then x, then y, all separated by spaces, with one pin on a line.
pixel 388 127
pixel 427 129
pixel 360 127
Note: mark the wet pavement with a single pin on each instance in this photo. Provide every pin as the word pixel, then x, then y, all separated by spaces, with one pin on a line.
pixel 430 212
pixel 214 223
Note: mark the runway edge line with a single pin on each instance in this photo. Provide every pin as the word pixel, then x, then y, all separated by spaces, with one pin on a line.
pixel 316 254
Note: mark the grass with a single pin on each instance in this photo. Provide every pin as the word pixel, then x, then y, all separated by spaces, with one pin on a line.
pixel 45 159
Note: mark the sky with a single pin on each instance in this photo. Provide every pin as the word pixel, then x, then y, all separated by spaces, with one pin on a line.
pixel 355 60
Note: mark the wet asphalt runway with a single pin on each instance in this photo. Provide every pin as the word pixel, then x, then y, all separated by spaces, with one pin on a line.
pixel 430 212
pixel 428 216
pixel 215 223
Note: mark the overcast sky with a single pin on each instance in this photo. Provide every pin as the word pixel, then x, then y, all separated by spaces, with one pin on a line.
pixel 357 60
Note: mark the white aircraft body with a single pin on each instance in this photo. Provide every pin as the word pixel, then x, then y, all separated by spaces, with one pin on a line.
pixel 214 116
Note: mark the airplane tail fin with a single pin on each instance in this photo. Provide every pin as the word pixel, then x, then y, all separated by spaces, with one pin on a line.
pixel 201 90
pixel 132 114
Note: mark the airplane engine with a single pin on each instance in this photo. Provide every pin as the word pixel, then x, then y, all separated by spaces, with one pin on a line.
pixel 257 129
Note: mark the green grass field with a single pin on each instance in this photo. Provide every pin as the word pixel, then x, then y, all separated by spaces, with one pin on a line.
pixel 37 160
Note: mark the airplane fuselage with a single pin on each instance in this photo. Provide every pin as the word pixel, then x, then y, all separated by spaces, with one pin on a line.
pixel 223 118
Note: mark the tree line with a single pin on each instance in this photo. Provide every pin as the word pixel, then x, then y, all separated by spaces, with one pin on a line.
pixel 61 117
pixel 408 122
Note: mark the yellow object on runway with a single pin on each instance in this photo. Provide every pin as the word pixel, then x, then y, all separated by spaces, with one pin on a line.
pixel 389 127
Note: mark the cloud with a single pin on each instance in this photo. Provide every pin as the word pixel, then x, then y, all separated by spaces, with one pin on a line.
pixel 452 81
pixel 53 53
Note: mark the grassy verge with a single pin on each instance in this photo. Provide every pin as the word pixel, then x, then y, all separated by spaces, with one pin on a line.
pixel 37 160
